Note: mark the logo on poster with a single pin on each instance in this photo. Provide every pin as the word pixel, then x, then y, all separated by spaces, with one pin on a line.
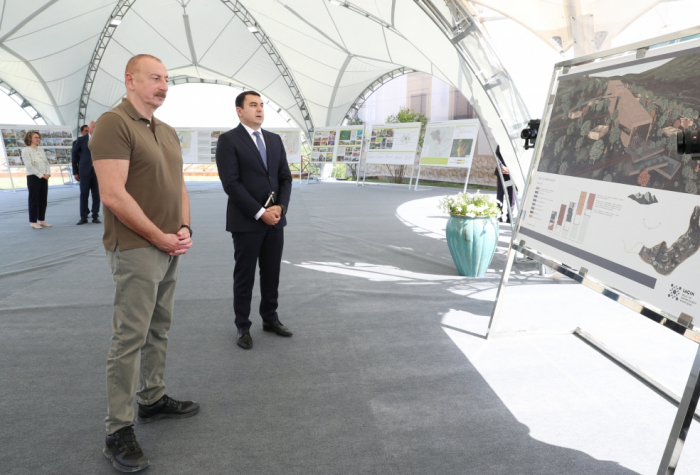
pixel 682 295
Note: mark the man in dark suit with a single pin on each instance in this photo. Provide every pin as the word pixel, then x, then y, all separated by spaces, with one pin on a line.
pixel 252 165
pixel 84 173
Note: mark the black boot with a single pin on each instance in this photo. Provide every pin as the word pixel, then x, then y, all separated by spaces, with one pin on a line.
pixel 124 452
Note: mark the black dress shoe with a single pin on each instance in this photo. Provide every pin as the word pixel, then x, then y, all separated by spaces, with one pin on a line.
pixel 96 220
pixel 277 327
pixel 82 221
pixel 244 339
pixel 166 408
pixel 124 452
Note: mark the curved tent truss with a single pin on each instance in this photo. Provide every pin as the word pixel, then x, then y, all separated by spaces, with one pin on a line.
pixel 369 90
pixel 313 58
pixel 21 101
pixel 177 80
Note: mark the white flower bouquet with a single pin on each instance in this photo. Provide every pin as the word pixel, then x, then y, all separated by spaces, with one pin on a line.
pixel 471 205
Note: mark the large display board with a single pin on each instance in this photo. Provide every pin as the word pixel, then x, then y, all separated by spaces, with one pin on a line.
pixel 198 144
pixel 393 144
pixel 608 191
pixel 450 143
pixel 56 141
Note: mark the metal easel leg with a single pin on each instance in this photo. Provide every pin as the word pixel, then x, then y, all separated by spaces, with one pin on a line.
pixel 681 425
pixel 500 294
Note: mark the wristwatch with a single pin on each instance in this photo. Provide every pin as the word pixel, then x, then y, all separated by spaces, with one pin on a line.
pixel 188 228
pixel 284 209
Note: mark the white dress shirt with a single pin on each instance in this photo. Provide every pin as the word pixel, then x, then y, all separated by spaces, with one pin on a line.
pixel 255 142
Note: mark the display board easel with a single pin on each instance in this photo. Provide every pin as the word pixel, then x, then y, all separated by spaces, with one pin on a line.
pixel 56 141
pixel 449 144
pixel 392 144
pixel 607 191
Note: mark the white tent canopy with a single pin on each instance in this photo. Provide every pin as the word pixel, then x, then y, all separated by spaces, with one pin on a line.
pixel 314 58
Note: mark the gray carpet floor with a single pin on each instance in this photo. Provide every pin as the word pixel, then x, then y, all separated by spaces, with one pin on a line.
pixel 369 383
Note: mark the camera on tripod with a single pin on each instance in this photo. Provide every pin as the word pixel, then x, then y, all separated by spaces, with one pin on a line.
pixel 688 144
pixel 529 134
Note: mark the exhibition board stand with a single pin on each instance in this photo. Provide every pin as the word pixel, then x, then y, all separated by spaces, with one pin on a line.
pixel 611 204
pixel 337 145
pixel 56 142
pixel 392 144
pixel 198 144
pixel 449 144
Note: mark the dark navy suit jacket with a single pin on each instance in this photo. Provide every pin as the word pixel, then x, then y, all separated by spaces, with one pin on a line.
pixel 246 181
pixel 81 157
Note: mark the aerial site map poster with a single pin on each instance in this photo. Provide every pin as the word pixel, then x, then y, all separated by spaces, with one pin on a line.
pixel 350 138
pixel 198 144
pixel 609 192
pixel 56 141
pixel 450 143
pixel 393 144
pixel 291 140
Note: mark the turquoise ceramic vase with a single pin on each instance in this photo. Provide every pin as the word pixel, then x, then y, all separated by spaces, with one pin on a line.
pixel 472 243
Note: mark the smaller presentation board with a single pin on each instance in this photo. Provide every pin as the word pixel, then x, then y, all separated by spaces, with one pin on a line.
pixel 450 143
pixel 338 144
pixel 291 139
pixel 198 144
pixel 393 144
pixel 349 144
pixel 324 143
pixel 56 141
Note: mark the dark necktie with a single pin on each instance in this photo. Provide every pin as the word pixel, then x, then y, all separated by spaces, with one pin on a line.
pixel 261 147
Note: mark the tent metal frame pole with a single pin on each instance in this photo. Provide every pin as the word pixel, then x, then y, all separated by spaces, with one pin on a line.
pixel 108 31
pixel 26 105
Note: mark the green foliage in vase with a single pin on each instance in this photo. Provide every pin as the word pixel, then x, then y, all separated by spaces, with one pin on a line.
pixel 471 205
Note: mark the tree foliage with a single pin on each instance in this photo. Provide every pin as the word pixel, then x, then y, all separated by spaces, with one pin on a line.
pixel 585 128
pixel 597 150
pixel 614 135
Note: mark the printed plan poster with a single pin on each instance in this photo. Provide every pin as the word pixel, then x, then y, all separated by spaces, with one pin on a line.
pixel 291 140
pixel 450 143
pixel 56 141
pixel 393 144
pixel 609 192
pixel 198 144
pixel 324 143
pixel 350 138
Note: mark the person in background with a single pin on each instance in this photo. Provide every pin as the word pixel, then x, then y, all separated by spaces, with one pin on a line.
pixel 38 174
pixel 84 173
pixel 83 131
pixel 500 191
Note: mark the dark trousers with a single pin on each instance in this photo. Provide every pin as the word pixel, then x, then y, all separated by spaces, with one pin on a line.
pixel 500 195
pixel 38 195
pixel 263 248
pixel 88 184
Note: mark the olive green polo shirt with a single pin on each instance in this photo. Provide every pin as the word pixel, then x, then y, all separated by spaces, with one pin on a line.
pixel 155 171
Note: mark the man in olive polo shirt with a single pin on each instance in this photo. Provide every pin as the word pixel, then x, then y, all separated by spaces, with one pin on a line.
pixel 138 162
